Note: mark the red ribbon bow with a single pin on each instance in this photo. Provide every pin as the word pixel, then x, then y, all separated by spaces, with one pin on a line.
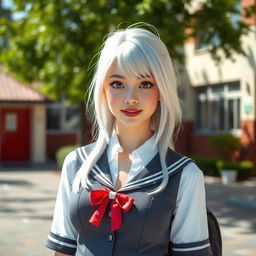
pixel 101 198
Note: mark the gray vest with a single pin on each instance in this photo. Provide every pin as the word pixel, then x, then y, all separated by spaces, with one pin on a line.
pixel 146 227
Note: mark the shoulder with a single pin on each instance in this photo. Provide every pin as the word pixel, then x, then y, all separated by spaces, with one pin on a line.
pixel 87 148
pixel 178 162
pixel 190 171
pixel 192 179
pixel 74 159
pixel 79 154
pixel 83 152
pixel 173 156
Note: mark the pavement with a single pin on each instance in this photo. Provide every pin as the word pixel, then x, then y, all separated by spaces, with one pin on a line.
pixel 27 198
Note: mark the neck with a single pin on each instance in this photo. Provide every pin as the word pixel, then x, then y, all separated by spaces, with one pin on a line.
pixel 131 138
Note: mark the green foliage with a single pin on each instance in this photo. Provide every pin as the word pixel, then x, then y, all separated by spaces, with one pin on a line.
pixel 62 152
pixel 225 145
pixel 213 167
pixel 225 165
pixel 244 168
pixel 206 164
pixel 56 40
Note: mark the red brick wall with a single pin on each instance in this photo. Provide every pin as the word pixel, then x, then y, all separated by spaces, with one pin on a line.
pixel 190 143
pixel 200 145
pixel 55 141
pixel 182 144
pixel 248 140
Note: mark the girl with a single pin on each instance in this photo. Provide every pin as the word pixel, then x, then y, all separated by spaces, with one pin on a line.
pixel 130 193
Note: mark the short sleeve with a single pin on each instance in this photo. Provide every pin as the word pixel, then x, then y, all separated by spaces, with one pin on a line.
pixel 189 232
pixel 63 236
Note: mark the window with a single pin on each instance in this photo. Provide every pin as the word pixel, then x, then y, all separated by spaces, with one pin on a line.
pixel 218 108
pixel 62 117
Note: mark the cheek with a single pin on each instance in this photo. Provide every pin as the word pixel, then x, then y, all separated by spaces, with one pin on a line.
pixel 112 100
pixel 152 99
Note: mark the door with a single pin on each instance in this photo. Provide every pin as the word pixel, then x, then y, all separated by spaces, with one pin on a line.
pixel 14 134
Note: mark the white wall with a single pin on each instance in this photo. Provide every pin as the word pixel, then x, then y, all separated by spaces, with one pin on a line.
pixel 38 136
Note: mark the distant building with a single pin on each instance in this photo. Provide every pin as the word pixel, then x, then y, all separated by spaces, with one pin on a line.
pixel 32 128
pixel 22 122
pixel 219 98
pixel 62 124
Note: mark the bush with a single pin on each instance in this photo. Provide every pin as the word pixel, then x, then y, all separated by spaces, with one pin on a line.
pixel 61 154
pixel 244 168
pixel 225 145
pixel 206 164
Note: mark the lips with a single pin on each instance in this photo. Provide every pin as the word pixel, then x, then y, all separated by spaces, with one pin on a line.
pixel 131 111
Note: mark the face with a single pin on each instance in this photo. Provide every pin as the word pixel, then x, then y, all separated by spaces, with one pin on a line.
pixel 132 100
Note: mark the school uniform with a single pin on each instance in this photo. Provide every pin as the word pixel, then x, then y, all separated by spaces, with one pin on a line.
pixel 132 221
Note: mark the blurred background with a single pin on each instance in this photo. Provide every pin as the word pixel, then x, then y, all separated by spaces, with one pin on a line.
pixel 48 50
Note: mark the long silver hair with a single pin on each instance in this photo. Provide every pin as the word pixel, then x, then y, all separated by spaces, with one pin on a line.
pixel 140 52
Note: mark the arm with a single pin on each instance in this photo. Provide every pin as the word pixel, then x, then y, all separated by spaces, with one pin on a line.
pixel 62 237
pixel 189 231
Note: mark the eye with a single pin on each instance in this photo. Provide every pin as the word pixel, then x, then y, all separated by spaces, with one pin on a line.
pixel 117 84
pixel 146 84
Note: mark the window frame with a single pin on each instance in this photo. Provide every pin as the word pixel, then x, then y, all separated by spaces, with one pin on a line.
pixel 207 95
pixel 62 107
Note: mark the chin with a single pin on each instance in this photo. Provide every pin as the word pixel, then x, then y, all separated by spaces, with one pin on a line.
pixel 134 124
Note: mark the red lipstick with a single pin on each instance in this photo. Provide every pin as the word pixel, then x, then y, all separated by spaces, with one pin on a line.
pixel 131 112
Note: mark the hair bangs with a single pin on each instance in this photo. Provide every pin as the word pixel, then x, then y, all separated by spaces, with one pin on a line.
pixel 132 61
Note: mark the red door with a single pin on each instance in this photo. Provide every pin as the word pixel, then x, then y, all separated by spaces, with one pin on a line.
pixel 14 134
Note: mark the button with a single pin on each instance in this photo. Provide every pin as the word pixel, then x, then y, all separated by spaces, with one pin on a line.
pixel 109 214
pixel 109 238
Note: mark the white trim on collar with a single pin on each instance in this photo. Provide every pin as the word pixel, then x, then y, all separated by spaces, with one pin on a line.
pixel 138 183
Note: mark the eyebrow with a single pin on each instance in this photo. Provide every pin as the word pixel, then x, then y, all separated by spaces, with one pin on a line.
pixel 123 77
pixel 116 76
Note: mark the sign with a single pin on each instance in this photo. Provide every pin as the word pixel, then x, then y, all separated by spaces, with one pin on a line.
pixel 11 122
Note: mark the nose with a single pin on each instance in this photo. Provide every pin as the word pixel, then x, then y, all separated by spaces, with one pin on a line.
pixel 131 98
pixel 131 101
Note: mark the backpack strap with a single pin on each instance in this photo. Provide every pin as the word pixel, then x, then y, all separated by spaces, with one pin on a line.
pixel 214 233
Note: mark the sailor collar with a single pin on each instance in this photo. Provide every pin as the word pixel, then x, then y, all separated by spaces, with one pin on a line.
pixel 151 174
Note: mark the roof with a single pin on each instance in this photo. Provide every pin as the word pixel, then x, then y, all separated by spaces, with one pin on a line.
pixel 11 90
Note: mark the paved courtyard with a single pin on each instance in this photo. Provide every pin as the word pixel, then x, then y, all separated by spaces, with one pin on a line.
pixel 27 200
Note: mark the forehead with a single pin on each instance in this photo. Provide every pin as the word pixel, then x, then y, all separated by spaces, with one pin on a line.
pixel 116 70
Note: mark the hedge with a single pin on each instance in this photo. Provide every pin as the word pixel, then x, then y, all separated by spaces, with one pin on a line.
pixel 62 152
pixel 206 164
pixel 244 168
pixel 212 166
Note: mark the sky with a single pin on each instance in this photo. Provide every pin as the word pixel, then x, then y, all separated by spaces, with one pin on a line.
pixel 7 3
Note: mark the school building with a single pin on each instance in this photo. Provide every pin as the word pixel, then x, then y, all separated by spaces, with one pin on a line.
pixel 31 127
pixel 219 98
pixel 22 122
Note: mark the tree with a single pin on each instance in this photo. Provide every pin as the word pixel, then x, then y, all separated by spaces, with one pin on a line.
pixel 55 40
